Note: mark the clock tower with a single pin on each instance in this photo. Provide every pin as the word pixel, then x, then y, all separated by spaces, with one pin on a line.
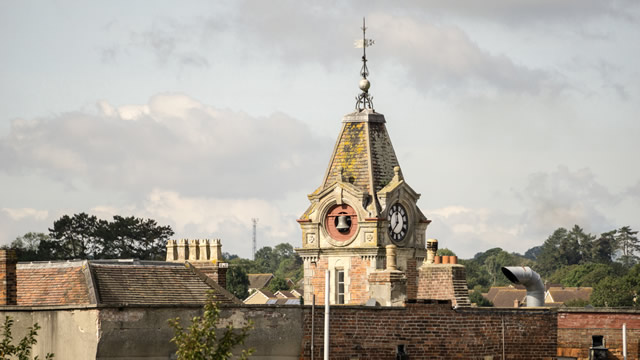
pixel 363 223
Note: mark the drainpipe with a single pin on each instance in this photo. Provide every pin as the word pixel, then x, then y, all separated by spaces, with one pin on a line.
pixel 326 316
pixel 624 341
pixel 523 275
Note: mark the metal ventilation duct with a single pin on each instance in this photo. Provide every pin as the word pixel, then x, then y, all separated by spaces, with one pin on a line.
pixel 530 279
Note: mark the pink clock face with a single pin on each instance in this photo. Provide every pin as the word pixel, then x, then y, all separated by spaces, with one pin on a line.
pixel 341 222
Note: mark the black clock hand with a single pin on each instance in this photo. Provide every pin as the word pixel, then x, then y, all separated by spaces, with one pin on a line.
pixel 397 222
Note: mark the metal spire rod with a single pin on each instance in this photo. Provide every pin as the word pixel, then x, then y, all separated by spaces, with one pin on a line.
pixel 364 100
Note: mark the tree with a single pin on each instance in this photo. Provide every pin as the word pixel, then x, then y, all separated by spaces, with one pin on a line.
pixel 585 274
pixel 238 281
pixel 266 260
pixel 277 284
pixel 532 254
pixel 86 236
pixel 445 252
pixel 477 276
pixel 627 242
pixel 22 351
pixel 202 340
pixel 76 235
pixel 477 298
pixel 28 246
pixel 604 247
pixel 616 291
pixel 560 249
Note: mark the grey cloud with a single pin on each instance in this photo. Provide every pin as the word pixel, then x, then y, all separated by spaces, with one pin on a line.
pixel 564 198
pixel 522 13
pixel 173 143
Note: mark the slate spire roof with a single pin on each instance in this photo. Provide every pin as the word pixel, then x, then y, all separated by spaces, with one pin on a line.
pixel 363 155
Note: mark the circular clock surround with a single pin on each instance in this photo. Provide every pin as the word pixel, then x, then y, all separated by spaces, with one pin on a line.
pixel 332 221
pixel 398 218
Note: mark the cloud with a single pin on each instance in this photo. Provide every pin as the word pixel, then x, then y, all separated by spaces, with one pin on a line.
pixel 444 57
pixel 561 198
pixel 521 13
pixel 205 217
pixel 564 198
pixel 22 213
pixel 173 142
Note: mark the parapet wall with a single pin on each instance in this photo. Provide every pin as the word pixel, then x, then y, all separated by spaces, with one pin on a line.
pixel 577 326
pixel 433 330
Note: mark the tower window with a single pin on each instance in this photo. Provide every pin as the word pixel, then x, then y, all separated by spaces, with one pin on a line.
pixel 339 286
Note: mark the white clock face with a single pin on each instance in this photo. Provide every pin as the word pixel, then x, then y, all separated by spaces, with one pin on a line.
pixel 398 222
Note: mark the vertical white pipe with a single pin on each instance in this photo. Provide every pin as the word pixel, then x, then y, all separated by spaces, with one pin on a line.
pixel 326 316
pixel 624 341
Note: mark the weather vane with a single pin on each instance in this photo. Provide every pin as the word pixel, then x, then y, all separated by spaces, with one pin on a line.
pixel 364 100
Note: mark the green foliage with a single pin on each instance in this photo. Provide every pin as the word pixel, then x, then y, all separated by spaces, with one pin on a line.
pixel 477 298
pixel 203 340
pixel 477 276
pixel 577 303
pixel 445 252
pixel 237 281
pixel 282 261
pixel 85 236
pixel 22 351
pixel 619 290
pixel 628 244
pixel 584 274
pixel 278 283
pixel 486 267
pixel 532 254
pixel 29 247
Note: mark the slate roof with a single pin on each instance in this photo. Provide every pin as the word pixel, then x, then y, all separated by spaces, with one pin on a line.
pixel 116 282
pixel 259 281
pixel 364 152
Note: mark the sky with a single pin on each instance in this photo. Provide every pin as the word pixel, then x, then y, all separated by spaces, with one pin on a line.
pixel 511 118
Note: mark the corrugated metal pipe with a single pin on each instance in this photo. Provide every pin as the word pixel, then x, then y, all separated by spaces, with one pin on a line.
pixel 523 275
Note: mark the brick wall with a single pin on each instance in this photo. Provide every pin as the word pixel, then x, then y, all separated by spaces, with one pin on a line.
pixel 577 326
pixel 412 279
pixel 358 285
pixel 443 282
pixel 433 330
pixel 316 280
pixel 8 281
pixel 216 273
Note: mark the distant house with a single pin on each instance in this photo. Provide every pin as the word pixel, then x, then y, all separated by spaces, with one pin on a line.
pixel 559 295
pixel 555 295
pixel 259 296
pixel 506 296
pixel 259 281
pixel 281 297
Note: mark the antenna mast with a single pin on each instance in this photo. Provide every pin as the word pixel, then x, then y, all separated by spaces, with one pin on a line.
pixel 255 225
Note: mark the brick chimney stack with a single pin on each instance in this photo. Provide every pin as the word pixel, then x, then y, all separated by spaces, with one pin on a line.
pixel 8 277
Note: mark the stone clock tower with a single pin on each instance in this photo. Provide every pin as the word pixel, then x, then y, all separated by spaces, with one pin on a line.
pixel 363 224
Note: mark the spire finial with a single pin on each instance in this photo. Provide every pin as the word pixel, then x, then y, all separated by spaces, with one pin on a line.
pixel 364 100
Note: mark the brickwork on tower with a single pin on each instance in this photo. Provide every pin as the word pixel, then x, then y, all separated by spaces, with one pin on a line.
pixel 433 330
pixel 317 279
pixel 358 286
pixel 443 282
